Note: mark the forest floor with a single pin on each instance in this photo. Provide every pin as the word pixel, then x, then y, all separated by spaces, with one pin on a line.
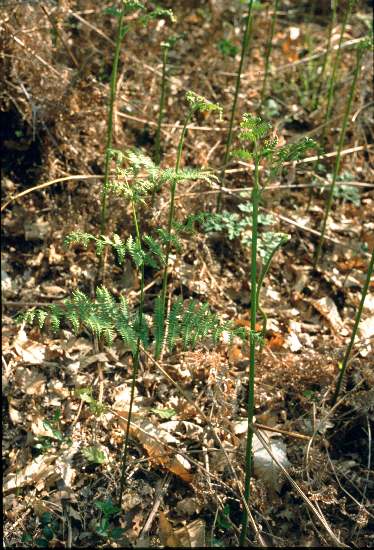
pixel 66 396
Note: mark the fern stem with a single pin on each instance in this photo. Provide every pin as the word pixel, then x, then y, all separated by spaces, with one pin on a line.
pixel 109 135
pixel 252 351
pixel 355 328
pixel 173 187
pixel 135 367
pixel 161 106
pixel 321 76
pixel 331 86
pixel 343 130
pixel 245 46
pixel 269 48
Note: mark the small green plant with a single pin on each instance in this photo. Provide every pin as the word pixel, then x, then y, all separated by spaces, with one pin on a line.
pixel 49 530
pixel 196 104
pixel 128 7
pixel 244 51
pixel 254 131
pixel 45 443
pixel 227 48
pixel 105 527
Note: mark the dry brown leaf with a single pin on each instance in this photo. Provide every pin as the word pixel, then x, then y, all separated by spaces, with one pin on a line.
pixel 39 470
pixel 29 381
pixel 166 532
pixel 151 437
pixel 192 535
pixel 29 351
pixel 327 308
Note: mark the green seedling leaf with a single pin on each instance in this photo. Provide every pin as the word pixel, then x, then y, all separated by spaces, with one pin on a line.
pixel 46 518
pixel 107 508
pixel 94 455
pixel 41 543
pixel 164 413
pixel 48 533
pixel 85 394
pixel 227 48
pixel 117 532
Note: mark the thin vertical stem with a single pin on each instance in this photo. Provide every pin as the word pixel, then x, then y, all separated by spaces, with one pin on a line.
pixel 333 77
pixel 245 45
pixel 109 135
pixel 331 83
pixel 161 106
pixel 173 187
pixel 135 367
pixel 269 48
pixel 355 328
pixel 321 76
pixel 343 130
pixel 251 393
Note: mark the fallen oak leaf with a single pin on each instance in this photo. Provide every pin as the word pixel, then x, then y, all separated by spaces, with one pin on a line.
pixel 159 452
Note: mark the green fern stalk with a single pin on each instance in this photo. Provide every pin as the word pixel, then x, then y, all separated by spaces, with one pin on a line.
pixel 109 133
pixel 165 51
pixel 334 74
pixel 321 76
pixel 331 87
pixel 354 331
pixel 269 48
pixel 135 367
pixel 196 103
pixel 360 51
pixel 252 352
pixel 171 218
pixel 245 46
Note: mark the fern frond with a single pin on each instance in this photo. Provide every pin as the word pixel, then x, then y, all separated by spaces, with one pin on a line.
pixel 167 238
pixel 173 323
pixel 158 329
pixel 199 103
pixel 154 249
pixel 135 250
pixel 187 323
pixel 253 128
pixel 79 237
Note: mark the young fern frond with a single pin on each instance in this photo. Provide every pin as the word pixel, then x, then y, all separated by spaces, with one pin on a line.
pixel 155 249
pixel 158 326
pixel 118 246
pixel 169 239
pixel 173 323
pixel 105 317
pixel 199 103
pixel 135 250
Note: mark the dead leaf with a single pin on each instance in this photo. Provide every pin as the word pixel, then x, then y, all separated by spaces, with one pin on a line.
pixel 29 381
pixel 151 437
pixel 327 308
pixel 193 534
pixel 166 532
pixel 29 351
pixel 38 471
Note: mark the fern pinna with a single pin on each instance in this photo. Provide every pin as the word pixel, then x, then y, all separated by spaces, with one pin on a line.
pixel 106 318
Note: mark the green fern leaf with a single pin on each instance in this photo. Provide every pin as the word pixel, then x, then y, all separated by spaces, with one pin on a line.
pixel 173 323
pixel 159 325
